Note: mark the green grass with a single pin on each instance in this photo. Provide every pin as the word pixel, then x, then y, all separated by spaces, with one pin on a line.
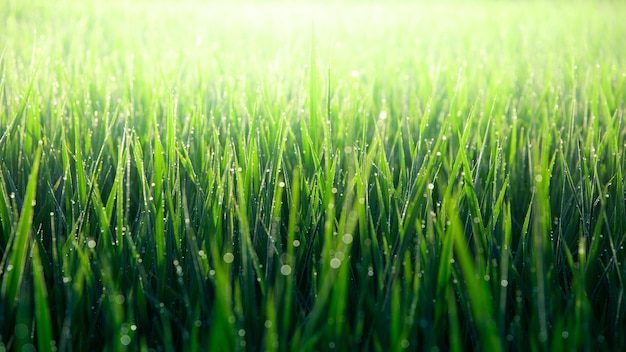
pixel 348 176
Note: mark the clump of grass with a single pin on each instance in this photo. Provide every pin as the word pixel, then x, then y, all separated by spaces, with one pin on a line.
pixel 226 177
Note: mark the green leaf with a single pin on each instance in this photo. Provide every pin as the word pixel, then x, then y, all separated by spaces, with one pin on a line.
pixel 18 254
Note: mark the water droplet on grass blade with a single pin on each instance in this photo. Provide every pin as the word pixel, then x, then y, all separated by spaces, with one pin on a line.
pixel 285 270
pixel 125 340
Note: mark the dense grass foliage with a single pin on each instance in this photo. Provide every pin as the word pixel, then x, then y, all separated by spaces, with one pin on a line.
pixel 312 177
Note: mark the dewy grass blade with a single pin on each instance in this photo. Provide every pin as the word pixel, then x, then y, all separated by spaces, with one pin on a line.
pixel 18 254
pixel 7 218
pixel 81 180
pixel 43 321
pixel 12 127
pixel 477 223
pixel 158 207
pixel 288 267
pixel 478 293
pixel 313 93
